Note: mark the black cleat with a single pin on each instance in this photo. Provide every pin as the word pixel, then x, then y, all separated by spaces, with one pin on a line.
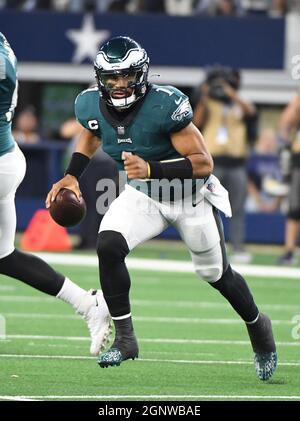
pixel 122 349
pixel 265 364
pixel 263 344
pixel 287 259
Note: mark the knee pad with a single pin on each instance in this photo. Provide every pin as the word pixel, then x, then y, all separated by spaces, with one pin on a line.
pixel 111 246
pixel 210 274
pixel 209 266
pixel 225 281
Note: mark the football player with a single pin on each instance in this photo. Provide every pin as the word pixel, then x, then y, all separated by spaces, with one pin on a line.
pixel 147 129
pixel 289 132
pixel 14 263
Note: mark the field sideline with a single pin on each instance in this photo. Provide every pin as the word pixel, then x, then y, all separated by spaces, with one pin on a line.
pixel 192 344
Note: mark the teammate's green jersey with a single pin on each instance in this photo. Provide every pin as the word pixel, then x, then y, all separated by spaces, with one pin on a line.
pixel 145 130
pixel 8 93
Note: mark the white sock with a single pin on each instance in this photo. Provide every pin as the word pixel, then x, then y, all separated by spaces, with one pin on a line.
pixel 71 293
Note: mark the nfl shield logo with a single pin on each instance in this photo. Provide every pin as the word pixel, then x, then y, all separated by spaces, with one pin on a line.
pixel 121 129
pixel 211 187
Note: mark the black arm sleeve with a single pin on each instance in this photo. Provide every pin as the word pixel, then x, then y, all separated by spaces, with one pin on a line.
pixel 178 168
pixel 77 165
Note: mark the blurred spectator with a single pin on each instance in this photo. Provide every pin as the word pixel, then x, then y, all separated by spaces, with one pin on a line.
pixel 219 7
pixel 179 7
pixel 295 6
pixel 289 131
pixel 70 129
pixel 86 5
pixel 263 173
pixel 28 5
pixel 60 5
pixel 100 6
pixel 272 8
pixel 221 114
pixel 256 7
pixel 26 127
pixel 152 6
pixel 278 8
pixel 226 8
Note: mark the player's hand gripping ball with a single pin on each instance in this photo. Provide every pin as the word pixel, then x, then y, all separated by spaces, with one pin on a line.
pixel 67 210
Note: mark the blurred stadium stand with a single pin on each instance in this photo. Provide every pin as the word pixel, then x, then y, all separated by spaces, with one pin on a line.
pixel 53 47
pixel 55 51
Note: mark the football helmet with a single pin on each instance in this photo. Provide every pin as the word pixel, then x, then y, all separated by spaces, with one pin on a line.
pixel 122 56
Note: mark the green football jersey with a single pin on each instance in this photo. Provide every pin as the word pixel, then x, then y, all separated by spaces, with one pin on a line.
pixel 144 131
pixel 8 93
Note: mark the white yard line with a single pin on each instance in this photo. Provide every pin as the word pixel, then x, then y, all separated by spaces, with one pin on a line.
pixel 197 304
pixel 210 362
pixel 169 265
pixel 7 288
pixel 209 342
pixel 50 357
pixel 147 397
pixel 148 340
pixel 27 299
pixel 49 337
pixel 150 319
pixel 156 360
pixel 17 398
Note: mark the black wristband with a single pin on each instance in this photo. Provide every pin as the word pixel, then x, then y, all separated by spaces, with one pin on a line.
pixel 77 165
pixel 180 168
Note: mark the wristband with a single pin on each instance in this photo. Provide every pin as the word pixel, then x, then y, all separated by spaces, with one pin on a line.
pixel 148 170
pixel 175 168
pixel 77 165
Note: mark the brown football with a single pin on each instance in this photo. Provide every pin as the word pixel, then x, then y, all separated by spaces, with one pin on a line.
pixel 67 210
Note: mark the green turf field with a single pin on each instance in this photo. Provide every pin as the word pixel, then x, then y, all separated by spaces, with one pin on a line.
pixel 192 344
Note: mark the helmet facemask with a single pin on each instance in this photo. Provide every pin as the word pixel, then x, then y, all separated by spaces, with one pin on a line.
pixel 121 57
pixel 134 89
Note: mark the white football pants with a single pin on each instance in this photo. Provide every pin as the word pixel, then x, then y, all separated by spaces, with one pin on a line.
pixel 139 218
pixel 12 171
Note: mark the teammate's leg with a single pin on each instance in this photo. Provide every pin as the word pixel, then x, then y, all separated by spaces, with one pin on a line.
pixel 24 267
pixel 237 183
pixel 292 225
pixel 132 219
pixel 203 234
pixel 36 272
